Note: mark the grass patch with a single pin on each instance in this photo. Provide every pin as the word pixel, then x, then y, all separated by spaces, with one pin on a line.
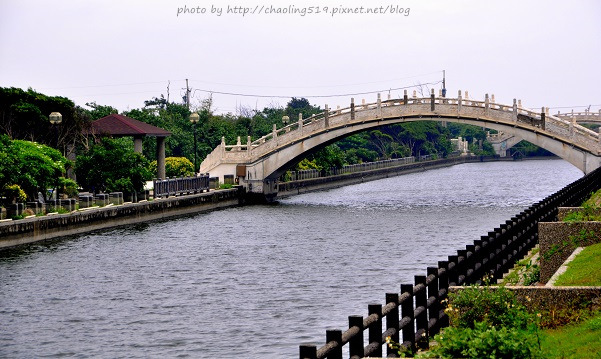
pixel 589 211
pixel 584 270
pixel 582 340
pixel 586 214
pixel 594 200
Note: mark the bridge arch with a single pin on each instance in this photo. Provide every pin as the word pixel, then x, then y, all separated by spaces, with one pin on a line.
pixel 258 164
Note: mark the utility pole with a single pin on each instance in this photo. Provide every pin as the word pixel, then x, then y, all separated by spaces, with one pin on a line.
pixel 444 86
pixel 187 95
pixel 168 84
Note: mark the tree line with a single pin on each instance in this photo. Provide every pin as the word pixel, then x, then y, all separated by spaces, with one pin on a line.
pixel 109 164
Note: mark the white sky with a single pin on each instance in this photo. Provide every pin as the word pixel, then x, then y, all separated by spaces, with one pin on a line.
pixel 120 53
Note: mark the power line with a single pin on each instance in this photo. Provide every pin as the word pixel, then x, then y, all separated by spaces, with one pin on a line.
pixel 316 96
pixel 113 85
pixel 321 86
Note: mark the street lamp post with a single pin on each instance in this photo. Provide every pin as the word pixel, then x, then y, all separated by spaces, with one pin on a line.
pixel 194 120
pixel 55 119
pixel 285 121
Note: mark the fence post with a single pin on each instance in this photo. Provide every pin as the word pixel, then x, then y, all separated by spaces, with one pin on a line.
pixel 375 330
pixel 407 311
pixel 392 319
pixel 356 342
pixel 472 263
pixel 453 274
pixel 434 308
pixel 336 336
pixel 443 291
pixel 421 302
pixel 308 351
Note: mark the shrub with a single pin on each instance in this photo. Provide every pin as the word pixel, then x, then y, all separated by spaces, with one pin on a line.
pixel 175 167
pixel 68 187
pixel 486 323
pixel 14 194
pixel 494 306
pixel 485 341
pixel 112 165
pixel 31 166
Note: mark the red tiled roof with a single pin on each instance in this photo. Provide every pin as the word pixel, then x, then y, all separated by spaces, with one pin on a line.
pixel 120 125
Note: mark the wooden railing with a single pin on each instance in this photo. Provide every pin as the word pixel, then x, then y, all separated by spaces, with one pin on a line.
pixel 417 312
pixel 180 186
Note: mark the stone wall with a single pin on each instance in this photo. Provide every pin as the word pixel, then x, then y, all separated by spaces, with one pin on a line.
pixel 557 240
pixel 562 212
pixel 554 299
pixel 13 233
pixel 321 183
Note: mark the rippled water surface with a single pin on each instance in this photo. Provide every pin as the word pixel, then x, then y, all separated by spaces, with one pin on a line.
pixel 255 281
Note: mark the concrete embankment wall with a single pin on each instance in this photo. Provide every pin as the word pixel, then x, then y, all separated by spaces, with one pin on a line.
pixel 323 183
pixel 13 233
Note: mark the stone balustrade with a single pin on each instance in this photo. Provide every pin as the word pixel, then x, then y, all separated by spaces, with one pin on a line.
pixel 486 113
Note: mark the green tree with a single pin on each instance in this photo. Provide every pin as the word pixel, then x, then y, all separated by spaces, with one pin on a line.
pixel 32 166
pixel 175 167
pixel 24 116
pixel 99 111
pixel 112 165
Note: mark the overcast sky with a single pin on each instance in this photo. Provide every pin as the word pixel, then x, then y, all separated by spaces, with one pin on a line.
pixel 120 53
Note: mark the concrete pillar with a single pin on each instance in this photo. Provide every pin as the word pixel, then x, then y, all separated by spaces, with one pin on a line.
pixel 161 157
pixel 248 144
pixel 326 116
pixel 405 97
pixel 274 131
pixel 138 144
pixel 459 101
pixel 300 121
pixel 352 108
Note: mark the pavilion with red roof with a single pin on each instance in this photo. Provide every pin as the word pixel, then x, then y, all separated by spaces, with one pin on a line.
pixel 122 126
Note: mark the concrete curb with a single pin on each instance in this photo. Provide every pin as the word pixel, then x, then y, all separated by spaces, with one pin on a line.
pixel 563 267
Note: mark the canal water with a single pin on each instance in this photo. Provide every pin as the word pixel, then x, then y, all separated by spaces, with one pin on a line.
pixel 256 281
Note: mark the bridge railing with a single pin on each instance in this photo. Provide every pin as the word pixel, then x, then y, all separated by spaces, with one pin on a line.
pixel 580 116
pixel 416 312
pixel 346 169
pixel 569 130
pixel 180 186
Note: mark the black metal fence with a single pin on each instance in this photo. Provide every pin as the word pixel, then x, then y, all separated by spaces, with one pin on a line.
pixel 180 186
pixel 417 313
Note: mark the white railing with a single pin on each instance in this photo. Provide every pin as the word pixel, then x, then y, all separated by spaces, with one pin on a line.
pixel 557 126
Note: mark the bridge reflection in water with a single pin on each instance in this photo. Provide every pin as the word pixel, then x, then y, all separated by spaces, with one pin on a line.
pixel 254 281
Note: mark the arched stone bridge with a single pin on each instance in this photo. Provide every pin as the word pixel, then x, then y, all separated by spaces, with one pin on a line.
pixel 258 164
pixel 501 141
